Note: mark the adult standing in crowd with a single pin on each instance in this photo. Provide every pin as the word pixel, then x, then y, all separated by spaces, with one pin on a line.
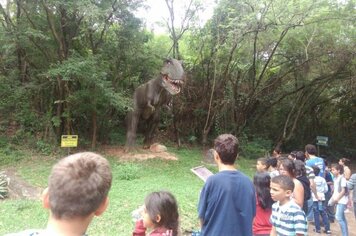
pixel 287 167
pixel 313 160
pixel 227 203
pixel 300 155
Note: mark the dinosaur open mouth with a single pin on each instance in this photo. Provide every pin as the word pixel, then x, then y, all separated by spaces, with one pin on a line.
pixel 172 86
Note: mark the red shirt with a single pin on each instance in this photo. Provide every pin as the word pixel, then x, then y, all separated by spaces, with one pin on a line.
pixel 261 223
pixel 140 230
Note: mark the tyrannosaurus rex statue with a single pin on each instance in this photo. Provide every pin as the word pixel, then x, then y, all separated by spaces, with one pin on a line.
pixel 150 97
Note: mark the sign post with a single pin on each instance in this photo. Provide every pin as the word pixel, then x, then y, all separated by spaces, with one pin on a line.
pixel 68 141
pixel 321 141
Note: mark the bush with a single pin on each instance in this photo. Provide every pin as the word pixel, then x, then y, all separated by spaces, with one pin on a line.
pixel 255 148
pixel 128 171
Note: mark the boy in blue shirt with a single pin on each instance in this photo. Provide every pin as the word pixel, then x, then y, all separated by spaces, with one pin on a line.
pixel 227 203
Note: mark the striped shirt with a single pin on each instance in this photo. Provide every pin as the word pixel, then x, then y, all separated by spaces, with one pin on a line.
pixel 310 172
pixel 288 219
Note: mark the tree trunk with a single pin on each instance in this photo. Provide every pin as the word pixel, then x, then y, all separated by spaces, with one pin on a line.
pixel 94 127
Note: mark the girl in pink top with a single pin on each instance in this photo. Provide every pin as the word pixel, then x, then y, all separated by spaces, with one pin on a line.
pixel 159 215
pixel 261 225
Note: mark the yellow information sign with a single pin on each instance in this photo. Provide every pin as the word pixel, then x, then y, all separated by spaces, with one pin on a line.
pixel 69 141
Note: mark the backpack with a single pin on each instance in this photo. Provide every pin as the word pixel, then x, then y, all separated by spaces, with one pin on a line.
pixel 346 188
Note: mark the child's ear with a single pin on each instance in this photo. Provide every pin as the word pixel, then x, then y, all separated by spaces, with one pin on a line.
pixel 158 218
pixel 216 156
pixel 289 193
pixel 102 207
pixel 45 198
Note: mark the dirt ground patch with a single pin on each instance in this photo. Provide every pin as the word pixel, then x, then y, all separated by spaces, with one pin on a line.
pixel 19 188
pixel 137 154
pixel 335 228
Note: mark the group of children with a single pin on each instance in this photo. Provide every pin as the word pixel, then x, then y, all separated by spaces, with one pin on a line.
pixel 277 207
pixel 328 200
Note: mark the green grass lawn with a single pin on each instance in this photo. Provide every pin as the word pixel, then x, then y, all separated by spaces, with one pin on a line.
pixel 132 181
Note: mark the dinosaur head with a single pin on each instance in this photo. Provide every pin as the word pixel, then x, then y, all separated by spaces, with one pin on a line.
pixel 172 76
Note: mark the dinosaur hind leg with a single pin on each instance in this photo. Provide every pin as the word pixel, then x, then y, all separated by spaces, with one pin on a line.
pixel 152 124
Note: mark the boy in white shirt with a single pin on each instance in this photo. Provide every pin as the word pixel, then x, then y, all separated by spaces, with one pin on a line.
pixel 318 205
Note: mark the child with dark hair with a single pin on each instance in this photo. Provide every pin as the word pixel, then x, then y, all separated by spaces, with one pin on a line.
pixel 272 162
pixel 277 152
pixel 319 202
pixel 261 164
pixel 160 214
pixel 227 203
pixel 339 198
pixel 287 217
pixel 261 224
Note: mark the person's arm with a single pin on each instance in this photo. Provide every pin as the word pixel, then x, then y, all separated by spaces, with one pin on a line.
pixel 273 231
pixel 347 173
pixel 140 229
pixel 352 181
pixel 325 186
pixel 298 193
pixel 201 222
pixel 300 223
pixel 342 191
pixel 313 188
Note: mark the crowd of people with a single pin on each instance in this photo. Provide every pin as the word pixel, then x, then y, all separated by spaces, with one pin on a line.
pixel 286 194
pixel 321 192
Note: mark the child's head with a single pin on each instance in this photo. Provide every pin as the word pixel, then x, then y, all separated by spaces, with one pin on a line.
pixel 161 210
pixel 282 187
pixel 337 169
pixel 292 155
pixel 272 162
pixel 299 155
pixel 78 185
pixel 343 161
pixel 277 151
pixel 300 169
pixel 262 182
pixel 261 164
pixel 226 146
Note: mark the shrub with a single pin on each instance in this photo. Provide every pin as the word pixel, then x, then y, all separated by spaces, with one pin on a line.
pixel 128 171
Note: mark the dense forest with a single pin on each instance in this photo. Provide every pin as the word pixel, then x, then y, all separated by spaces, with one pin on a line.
pixel 273 72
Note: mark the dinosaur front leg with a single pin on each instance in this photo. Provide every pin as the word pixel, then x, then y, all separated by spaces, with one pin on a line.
pixel 152 124
pixel 148 111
